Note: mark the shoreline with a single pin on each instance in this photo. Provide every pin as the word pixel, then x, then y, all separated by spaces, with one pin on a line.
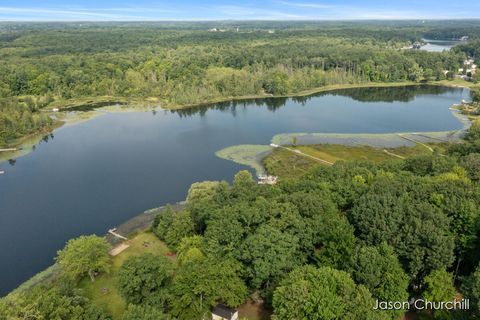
pixel 142 221
pixel 117 104
pixel 138 223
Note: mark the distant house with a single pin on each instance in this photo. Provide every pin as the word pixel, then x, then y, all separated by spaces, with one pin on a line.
pixel 55 109
pixel 222 312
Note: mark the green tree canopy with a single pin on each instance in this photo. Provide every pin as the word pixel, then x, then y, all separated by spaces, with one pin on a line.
pixel 144 312
pixel 198 286
pixel 418 231
pixel 439 286
pixel 83 256
pixel 322 293
pixel 378 269
pixel 49 303
pixel 269 253
pixel 471 290
pixel 182 226
pixel 145 278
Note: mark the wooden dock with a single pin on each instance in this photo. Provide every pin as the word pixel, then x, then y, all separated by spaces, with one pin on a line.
pixel 113 232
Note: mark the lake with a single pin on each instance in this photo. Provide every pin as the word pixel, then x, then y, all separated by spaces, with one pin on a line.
pixel 439 45
pixel 89 177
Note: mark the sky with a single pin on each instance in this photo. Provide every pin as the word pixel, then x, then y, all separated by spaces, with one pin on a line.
pixel 147 10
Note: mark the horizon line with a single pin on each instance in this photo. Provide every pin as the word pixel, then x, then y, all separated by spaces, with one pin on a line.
pixel 247 20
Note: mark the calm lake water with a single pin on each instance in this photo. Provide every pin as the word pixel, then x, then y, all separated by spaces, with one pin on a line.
pixel 89 177
pixel 439 45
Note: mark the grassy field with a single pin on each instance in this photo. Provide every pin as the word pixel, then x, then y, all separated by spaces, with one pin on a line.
pixel 103 291
pixel 287 164
pixel 458 83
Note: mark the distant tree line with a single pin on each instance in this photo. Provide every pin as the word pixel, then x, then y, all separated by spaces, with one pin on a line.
pixel 185 65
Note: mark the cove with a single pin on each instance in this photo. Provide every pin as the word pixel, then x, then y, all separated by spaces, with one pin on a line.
pixel 89 177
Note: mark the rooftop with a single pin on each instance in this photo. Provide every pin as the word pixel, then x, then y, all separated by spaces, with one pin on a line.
pixel 224 311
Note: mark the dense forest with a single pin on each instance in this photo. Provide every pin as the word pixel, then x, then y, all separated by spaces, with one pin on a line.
pixel 325 245
pixel 176 64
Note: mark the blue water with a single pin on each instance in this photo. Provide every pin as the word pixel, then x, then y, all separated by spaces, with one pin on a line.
pixel 439 45
pixel 94 175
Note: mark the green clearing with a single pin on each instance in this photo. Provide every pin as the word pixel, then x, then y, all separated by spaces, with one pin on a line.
pixel 103 292
pixel 287 164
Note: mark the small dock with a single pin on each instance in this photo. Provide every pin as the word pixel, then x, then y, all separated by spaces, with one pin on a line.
pixel 114 233
pixel 8 149
pixel 2 171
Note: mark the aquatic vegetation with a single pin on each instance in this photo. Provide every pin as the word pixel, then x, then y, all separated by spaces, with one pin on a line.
pixel 247 154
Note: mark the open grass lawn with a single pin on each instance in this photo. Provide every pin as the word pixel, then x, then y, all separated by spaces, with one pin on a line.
pixel 333 152
pixel 103 291
pixel 286 164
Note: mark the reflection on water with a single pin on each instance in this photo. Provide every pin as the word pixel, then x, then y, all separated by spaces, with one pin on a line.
pixel 385 94
pixel 89 177
pixel 439 45
pixel 365 94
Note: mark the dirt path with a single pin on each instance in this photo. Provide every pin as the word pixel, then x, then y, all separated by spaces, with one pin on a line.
pixel 118 249
pixel 393 154
pixel 307 155
pixel 413 140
